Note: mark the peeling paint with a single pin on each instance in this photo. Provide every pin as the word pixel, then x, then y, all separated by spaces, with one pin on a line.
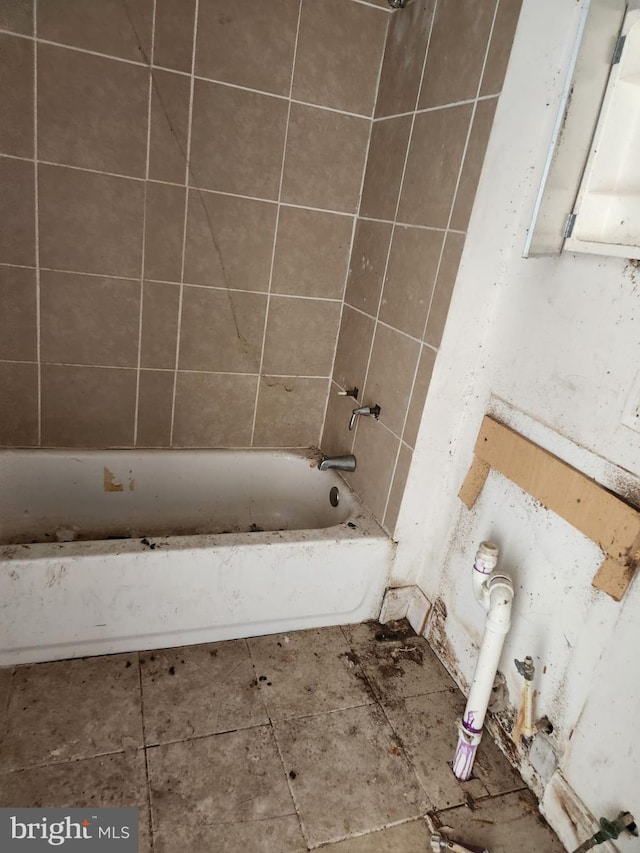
pixel 110 484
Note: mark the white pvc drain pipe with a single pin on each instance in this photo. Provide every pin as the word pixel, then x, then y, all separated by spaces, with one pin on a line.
pixel 494 593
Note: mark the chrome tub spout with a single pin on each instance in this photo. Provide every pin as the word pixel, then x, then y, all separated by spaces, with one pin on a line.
pixel 341 463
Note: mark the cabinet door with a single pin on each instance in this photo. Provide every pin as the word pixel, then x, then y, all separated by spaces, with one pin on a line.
pixel 584 94
pixel 607 210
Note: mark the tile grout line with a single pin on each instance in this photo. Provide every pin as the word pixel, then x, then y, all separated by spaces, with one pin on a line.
pixel 413 122
pixel 136 410
pixel 386 325
pixel 273 730
pixel 7 703
pixel 288 783
pixel 174 283
pixel 330 383
pixel 327 712
pixel 464 155
pixel 162 369
pixel 204 190
pixel 314 209
pixel 275 228
pixel 73 47
pixel 37 227
pixel 144 733
pixel 410 225
pixel 450 217
pixel 374 6
pixel 226 83
pixel 254 292
pixel 154 66
pixel 378 701
pixel 353 232
pixel 367 833
pixel 323 420
pixel 67 761
pixel 330 109
pixel 440 107
pixel 138 178
pixel 186 212
pixel 435 279
pixel 400 742
pixel 292 449
pixel 393 229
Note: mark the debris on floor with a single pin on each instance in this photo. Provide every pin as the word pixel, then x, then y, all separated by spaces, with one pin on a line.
pixel 339 738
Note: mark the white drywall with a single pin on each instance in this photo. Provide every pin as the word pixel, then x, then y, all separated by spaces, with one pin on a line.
pixel 551 346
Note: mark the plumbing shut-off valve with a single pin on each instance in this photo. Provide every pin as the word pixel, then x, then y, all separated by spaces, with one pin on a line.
pixel 610 829
pixel 526 668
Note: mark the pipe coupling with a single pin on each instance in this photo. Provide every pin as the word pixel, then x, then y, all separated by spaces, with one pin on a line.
pixel 497 601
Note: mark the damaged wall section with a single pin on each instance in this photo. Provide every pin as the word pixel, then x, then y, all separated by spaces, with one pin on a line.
pixel 548 346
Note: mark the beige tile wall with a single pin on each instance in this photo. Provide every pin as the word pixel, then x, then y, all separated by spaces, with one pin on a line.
pixel 311 244
pixel 145 302
pixel 443 70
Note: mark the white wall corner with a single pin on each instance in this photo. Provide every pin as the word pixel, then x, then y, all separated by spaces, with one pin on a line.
pixel 568 815
pixel 395 603
pixel 418 611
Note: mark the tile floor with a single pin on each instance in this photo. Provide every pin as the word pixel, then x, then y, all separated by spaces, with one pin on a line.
pixel 337 738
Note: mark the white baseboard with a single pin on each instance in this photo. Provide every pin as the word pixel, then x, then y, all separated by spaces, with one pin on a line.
pixel 406 602
pixel 395 603
pixel 418 611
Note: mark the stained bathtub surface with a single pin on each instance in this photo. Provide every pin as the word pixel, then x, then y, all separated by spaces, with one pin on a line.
pixel 64 496
pixel 117 551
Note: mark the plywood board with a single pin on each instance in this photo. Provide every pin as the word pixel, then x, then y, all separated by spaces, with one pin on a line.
pixel 598 513
pixel 474 481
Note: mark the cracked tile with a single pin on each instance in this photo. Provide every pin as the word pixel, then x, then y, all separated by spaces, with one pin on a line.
pixel 308 672
pixel 72 709
pixel 347 774
pixel 199 690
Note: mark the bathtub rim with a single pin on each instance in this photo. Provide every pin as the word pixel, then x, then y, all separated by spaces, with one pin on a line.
pixel 365 527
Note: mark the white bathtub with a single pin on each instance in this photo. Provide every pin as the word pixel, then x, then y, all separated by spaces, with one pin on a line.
pixel 113 551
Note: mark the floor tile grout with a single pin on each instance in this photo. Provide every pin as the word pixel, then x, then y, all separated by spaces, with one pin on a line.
pixel 277 743
pixel 69 761
pixel 146 760
pixel 379 701
pixel 368 651
pixel 400 743
pixel 368 832
pixel 288 779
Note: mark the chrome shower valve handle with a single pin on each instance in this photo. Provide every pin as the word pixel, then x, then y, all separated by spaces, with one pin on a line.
pixel 364 411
